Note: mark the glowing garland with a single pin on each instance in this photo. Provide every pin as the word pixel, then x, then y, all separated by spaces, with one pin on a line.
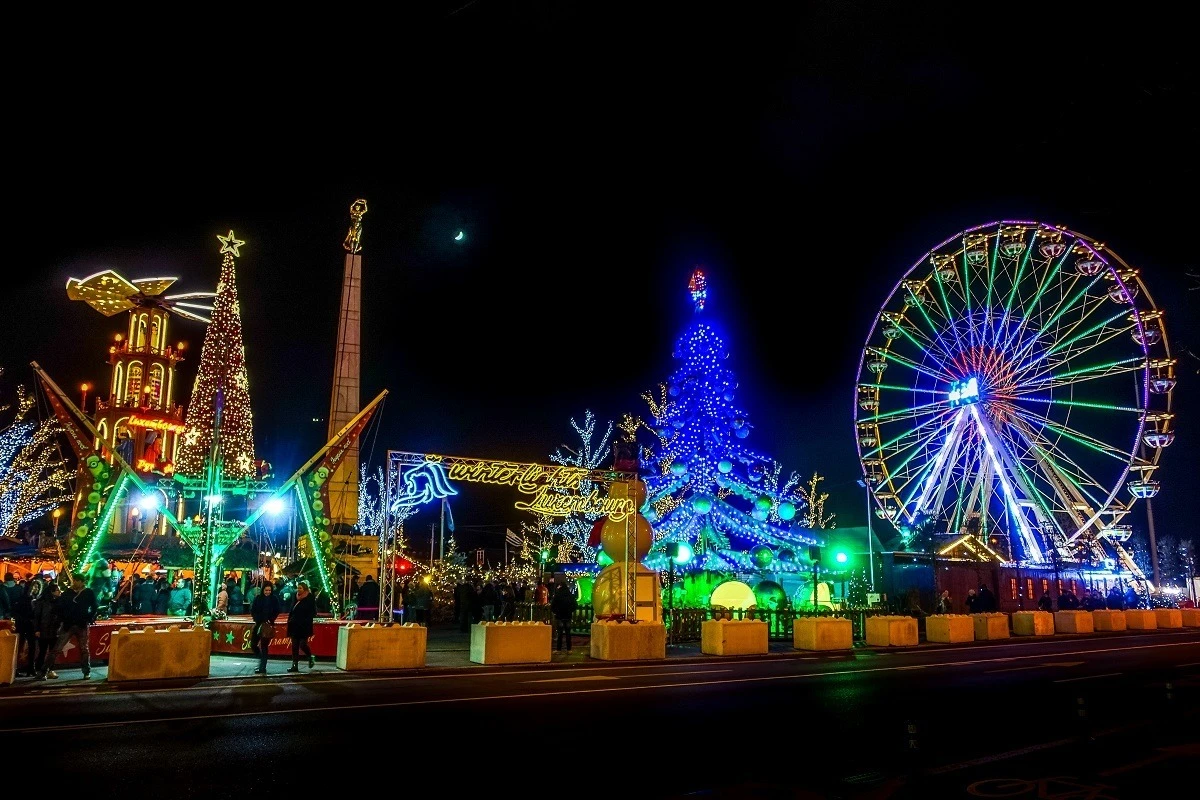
pixel 32 479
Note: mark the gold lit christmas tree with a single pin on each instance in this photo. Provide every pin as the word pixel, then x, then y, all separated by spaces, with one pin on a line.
pixel 222 369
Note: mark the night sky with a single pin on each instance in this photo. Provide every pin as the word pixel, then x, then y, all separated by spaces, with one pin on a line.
pixel 594 154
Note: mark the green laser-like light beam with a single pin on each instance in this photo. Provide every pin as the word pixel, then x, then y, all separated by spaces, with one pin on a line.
pixel 915 367
pixel 1081 404
pixel 916 444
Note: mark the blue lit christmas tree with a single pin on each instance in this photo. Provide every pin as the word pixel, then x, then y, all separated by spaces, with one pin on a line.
pixel 705 487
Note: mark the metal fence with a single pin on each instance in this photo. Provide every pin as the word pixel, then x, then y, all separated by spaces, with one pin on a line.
pixel 687 621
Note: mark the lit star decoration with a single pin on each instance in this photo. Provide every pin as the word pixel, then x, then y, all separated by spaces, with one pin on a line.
pixel 704 486
pixel 222 369
pixel 230 245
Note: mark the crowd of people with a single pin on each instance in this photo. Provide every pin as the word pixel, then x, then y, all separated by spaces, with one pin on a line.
pixel 46 620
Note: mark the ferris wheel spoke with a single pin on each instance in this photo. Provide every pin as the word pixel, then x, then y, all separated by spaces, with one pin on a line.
pixel 938 466
pixel 941 284
pixel 934 343
pixel 1074 486
pixel 1083 294
pixel 1035 301
pixel 1052 379
pixel 894 444
pixel 1080 438
pixel 1079 337
pixel 1032 370
pixel 900 479
pixel 905 362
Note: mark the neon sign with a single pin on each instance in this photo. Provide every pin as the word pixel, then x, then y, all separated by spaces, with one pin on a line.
pixel 964 392
pixel 554 490
pixel 157 424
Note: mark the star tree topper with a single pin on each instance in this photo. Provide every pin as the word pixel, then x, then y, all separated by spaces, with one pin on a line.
pixel 230 244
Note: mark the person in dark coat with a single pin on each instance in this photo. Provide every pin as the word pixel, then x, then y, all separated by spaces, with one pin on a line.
pixel 563 607
pixel 78 609
pixel 1045 603
pixel 987 600
pixel 300 625
pixel 368 599
pixel 46 624
pixel 162 596
pixel 237 603
pixel 264 609
pixel 22 614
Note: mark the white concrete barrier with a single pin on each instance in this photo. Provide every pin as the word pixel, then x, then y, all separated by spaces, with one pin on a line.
pixel 156 654
pixel 1168 617
pixel 8 655
pixel 733 637
pixel 371 646
pixel 1074 621
pixel 892 631
pixel 1108 619
pixel 624 641
pixel 511 642
pixel 1140 619
pixel 990 625
pixel 822 633
pixel 1033 623
pixel 949 628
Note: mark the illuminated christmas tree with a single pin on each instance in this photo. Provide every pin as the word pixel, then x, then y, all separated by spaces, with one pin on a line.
pixel 33 477
pixel 222 369
pixel 705 487
pixel 572 532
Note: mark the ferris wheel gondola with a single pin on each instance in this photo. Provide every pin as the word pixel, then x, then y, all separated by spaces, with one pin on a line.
pixel 1017 383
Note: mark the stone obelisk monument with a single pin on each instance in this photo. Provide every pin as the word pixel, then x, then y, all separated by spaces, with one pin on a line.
pixel 344 404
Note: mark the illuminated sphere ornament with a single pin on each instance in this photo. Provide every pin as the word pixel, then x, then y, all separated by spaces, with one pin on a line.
pixel 760 514
pixel 763 503
pixel 729 396
pixel 787 510
pixel 678 468
pixel 702 504
pixel 734 595
pixel 739 422
pixel 641 537
pixel 769 594
pixel 762 556
pixel 725 466
pixel 742 433
pixel 787 555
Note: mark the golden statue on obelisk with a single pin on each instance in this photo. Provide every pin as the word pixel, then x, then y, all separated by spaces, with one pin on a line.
pixel 353 243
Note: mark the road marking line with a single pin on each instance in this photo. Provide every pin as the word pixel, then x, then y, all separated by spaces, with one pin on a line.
pixel 1037 666
pixel 975 762
pixel 580 678
pixel 1090 677
pixel 259 682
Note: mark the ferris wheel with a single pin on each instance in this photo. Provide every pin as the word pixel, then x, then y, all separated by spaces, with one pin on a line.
pixel 1016 385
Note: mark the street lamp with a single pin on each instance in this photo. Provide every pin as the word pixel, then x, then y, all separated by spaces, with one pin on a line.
pixel 677 553
pixel 58 513
pixel 83 388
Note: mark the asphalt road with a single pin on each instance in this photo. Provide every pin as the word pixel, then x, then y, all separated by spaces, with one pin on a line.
pixel 1063 717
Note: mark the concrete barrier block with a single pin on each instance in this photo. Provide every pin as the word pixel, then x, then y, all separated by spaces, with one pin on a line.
pixel 1140 619
pixel 822 633
pixel 1073 621
pixel 1168 617
pixel 1108 619
pixel 733 637
pixel 892 631
pixel 157 654
pixel 1190 617
pixel 949 628
pixel 511 643
pixel 991 625
pixel 371 646
pixel 624 641
pixel 1033 623
pixel 8 656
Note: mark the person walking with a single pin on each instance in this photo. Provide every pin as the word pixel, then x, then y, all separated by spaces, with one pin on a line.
pixel 300 625
pixel 264 611
pixel 563 607
pixel 368 599
pixel 78 609
pixel 46 625
pixel 22 615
